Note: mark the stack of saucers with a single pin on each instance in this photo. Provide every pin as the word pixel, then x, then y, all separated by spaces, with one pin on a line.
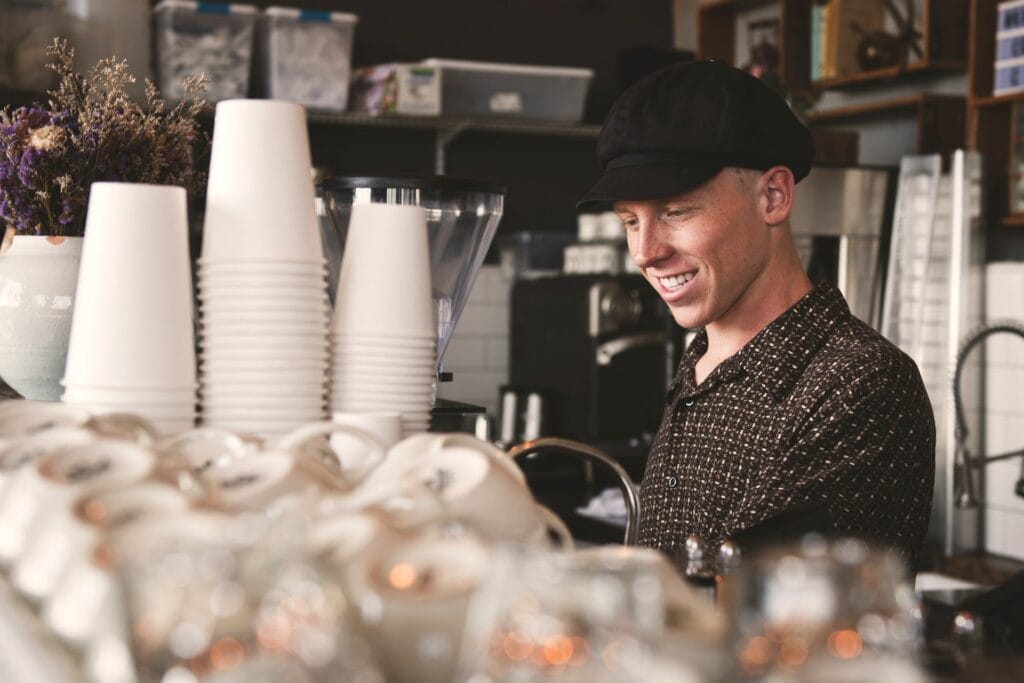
pixel 385 341
pixel 262 277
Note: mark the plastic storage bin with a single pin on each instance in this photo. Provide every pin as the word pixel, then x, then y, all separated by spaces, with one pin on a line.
pixel 512 90
pixel 306 56
pixel 203 37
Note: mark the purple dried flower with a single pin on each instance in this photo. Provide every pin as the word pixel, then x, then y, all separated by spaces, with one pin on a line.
pixel 93 131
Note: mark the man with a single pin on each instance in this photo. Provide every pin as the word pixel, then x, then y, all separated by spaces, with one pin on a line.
pixel 784 403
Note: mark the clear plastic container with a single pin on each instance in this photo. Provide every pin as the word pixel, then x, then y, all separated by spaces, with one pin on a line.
pixel 203 37
pixel 512 90
pixel 305 56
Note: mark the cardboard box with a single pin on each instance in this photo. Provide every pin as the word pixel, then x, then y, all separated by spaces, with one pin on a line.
pixel 403 89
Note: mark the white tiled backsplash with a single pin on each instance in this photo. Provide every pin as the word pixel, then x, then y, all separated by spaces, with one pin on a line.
pixel 1004 410
pixel 477 354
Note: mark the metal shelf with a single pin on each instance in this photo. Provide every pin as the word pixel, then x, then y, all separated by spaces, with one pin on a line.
pixel 446 129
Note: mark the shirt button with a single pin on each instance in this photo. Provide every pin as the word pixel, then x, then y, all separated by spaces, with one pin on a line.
pixel 672 482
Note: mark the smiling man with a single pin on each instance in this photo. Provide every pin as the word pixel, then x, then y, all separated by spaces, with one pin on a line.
pixel 784 405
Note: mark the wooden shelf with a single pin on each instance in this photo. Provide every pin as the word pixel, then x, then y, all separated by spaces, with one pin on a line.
pixel 996 100
pixel 1013 220
pixel 942 24
pixel 864 78
pixel 450 125
pixel 940 118
pixel 868 109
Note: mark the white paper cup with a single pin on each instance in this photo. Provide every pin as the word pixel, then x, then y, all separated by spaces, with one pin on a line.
pixel 260 195
pixel 242 412
pixel 315 319
pixel 128 394
pixel 209 280
pixel 268 330
pixel 390 375
pixel 132 324
pixel 384 284
pixel 279 294
pixel 240 266
pixel 425 341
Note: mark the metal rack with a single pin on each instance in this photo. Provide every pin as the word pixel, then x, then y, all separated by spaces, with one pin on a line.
pixel 933 296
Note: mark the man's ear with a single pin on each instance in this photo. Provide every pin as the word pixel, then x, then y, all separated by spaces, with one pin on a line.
pixel 776 196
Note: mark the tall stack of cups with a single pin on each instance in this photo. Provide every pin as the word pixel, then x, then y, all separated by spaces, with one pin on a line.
pixel 262 276
pixel 131 347
pixel 385 338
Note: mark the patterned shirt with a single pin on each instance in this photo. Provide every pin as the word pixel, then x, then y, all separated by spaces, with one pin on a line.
pixel 818 409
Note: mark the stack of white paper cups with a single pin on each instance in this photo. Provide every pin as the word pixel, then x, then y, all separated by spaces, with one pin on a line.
pixel 385 338
pixel 131 347
pixel 262 276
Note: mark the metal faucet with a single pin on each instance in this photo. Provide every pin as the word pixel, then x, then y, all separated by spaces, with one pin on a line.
pixel 529 449
pixel 966 496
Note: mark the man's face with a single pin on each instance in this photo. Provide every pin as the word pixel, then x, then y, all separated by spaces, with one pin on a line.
pixel 700 250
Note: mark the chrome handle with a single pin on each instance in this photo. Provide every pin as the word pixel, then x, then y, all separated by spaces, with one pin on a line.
pixel 608 350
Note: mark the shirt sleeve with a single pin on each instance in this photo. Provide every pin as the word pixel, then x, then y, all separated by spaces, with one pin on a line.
pixel 865 452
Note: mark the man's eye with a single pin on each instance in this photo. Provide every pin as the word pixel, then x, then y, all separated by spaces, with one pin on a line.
pixel 630 223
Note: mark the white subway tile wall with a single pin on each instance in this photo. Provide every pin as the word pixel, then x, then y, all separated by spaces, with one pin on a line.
pixel 1004 410
pixel 477 354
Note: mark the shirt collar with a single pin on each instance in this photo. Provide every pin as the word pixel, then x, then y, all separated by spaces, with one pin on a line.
pixel 778 354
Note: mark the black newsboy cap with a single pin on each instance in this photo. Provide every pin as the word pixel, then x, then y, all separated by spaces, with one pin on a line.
pixel 677 128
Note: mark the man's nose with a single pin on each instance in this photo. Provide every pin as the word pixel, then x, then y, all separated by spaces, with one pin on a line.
pixel 648 244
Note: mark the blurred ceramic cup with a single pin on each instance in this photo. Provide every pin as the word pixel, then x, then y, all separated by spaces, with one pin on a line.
pixel 845 607
pixel 341 537
pixel 414 595
pixel 385 238
pixel 91 612
pixel 354 453
pixel 268 481
pixel 58 481
pixel 260 195
pixel 363 442
pixel 18 417
pixel 71 611
pixel 19 483
pixel 476 483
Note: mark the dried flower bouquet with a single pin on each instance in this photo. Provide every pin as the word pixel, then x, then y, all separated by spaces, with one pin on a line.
pixel 93 131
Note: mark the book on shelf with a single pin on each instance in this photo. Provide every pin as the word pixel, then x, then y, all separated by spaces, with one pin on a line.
pixel 1009 61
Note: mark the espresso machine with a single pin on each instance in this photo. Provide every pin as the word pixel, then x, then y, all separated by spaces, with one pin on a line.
pixel 594 348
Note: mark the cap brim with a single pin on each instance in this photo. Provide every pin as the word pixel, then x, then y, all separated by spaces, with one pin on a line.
pixel 643 183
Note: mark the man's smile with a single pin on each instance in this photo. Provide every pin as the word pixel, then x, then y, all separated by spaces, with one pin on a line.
pixel 673 282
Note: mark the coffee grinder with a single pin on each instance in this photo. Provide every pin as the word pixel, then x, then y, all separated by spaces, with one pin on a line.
pixel 462 218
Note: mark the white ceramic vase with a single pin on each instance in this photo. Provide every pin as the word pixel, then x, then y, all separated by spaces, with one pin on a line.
pixel 38 277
